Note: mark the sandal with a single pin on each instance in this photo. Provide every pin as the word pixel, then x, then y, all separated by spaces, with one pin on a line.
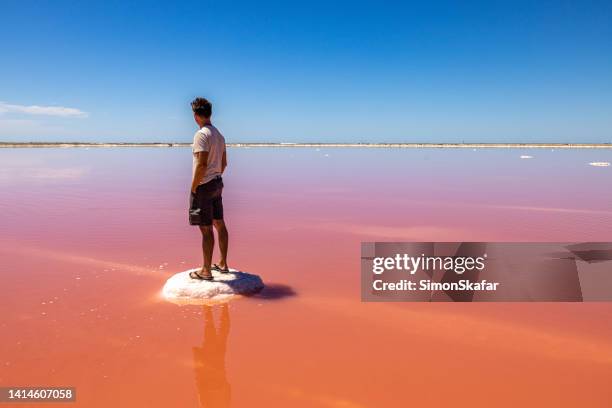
pixel 217 268
pixel 196 275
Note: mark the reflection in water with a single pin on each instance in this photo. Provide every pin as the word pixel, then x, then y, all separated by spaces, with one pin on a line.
pixel 209 361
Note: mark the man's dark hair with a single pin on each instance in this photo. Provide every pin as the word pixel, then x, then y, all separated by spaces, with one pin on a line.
pixel 202 107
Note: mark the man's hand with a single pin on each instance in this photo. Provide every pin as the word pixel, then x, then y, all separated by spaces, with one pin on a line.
pixel 200 170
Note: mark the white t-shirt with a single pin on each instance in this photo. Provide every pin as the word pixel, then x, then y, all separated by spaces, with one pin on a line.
pixel 209 139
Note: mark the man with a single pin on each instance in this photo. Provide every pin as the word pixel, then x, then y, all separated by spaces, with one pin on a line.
pixel 206 205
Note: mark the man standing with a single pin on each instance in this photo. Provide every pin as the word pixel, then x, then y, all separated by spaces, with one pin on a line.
pixel 206 205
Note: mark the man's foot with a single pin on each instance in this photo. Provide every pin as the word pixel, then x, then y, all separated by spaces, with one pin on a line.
pixel 201 275
pixel 219 268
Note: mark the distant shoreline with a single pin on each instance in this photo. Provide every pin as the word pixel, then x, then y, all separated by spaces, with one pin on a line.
pixel 323 145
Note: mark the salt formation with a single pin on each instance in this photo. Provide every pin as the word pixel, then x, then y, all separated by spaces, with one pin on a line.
pixel 600 164
pixel 181 288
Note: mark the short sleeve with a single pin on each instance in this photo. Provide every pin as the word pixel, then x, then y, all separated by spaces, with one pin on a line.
pixel 201 142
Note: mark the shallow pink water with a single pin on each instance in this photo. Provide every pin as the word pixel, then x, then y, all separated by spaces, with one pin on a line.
pixel 90 235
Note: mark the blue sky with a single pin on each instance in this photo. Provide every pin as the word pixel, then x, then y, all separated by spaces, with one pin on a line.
pixel 436 71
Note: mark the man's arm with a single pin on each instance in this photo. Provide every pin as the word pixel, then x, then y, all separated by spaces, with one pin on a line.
pixel 200 170
pixel 224 161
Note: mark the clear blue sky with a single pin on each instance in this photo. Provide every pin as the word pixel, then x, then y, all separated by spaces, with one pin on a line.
pixel 435 71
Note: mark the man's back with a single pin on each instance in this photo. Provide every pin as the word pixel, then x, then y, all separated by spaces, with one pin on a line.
pixel 209 139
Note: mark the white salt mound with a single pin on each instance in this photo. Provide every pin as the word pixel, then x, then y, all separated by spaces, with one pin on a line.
pixel 600 164
pixel 181 288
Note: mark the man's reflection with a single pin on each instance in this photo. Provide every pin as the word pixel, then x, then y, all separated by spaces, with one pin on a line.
pixel 209 361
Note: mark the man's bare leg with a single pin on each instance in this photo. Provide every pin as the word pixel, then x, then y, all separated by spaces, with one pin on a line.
pixel 208 243
pixel 223 242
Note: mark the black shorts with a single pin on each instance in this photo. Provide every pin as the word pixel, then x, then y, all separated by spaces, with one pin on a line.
pixel 206 204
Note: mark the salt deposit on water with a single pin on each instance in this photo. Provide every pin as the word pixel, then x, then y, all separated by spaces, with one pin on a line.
pixel 181 288
pixel 600 164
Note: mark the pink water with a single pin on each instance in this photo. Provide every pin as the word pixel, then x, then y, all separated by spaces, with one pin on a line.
pixel 89 236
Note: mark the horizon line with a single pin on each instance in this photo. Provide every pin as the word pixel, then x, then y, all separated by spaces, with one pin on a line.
pixel 314 144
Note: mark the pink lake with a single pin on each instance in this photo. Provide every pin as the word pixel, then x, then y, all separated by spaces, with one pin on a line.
pixel 89 237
